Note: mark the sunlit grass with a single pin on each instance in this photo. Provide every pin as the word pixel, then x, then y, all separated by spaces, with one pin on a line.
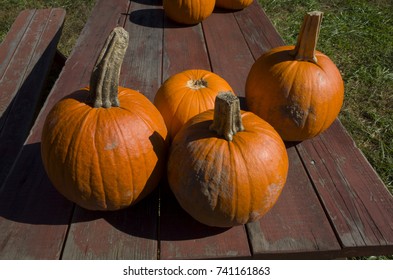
pixel 77 14
pixel 358 37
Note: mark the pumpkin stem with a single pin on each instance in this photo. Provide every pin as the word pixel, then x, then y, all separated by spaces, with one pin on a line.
pixel 104 80
pixel 197 84
pixel 227 119
pixel 308 37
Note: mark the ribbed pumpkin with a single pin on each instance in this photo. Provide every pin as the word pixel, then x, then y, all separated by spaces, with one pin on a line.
pixel 187 94
pixel 297 89
pixel 108 152
pixel 226 166
pixel 188 11
pixel 233 4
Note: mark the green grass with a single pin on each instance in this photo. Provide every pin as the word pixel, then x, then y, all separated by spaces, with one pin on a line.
pixel 358 36
pixel 77 14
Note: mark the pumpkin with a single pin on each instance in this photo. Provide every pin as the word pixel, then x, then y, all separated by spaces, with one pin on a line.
pixel 187 94
pixel 227 167
pixel 188 11
pixel 297 89
pixel 103 147
pixel 233 4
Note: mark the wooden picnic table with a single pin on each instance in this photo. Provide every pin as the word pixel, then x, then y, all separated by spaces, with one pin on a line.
pixel 333 205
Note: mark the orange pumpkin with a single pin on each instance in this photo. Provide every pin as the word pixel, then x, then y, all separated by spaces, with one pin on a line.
pixel 233 4
pixel 297 89
pixel 107 153
pixel 187 94
pixel 188 11
pixel 227 167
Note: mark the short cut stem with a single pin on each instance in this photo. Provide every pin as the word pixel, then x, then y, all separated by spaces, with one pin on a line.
pixel 227 115
pixel 104 80
pixel 308 37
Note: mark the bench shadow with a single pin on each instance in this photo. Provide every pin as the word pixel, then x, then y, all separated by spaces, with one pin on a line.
pixel 28 197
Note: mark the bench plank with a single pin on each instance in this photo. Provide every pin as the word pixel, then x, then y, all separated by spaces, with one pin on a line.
pixel 181 237
pixel 296 227
pixel 26 54
pixel 130 233
pixel 229 54
pixel 34 216
pixel 359 205
pixel 275 225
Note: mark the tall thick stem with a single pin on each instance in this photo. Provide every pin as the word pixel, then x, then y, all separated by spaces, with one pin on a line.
pixel 104 80
pixel 227 116
pixel 308 37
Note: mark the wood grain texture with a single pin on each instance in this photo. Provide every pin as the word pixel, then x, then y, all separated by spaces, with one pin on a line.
pixel 296 227
pixel 130 233
pixel 334 205
pixel 359 205
pixel 258 30
pixel 126 234
pixel 29 205
pixel 229 54
pixel 184 49
pixel 26 54
pixel 143 62
pixel 181 237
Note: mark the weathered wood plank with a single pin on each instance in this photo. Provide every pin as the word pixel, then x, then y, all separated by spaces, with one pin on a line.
pixel 297 224
pixel 359 205
pixel 26 54
pixel 184 49
pixel 181 237
pixel 34 218
pixel 126 234
pixel 142 65
pixel 130 233
pixel 258 30
pixel 229 54
pixel 296 227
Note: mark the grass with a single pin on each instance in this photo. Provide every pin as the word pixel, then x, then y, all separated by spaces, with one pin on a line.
pixel 77 14
pixel 357 35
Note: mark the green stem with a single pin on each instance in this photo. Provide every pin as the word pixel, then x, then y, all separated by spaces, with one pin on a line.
pixel 104 80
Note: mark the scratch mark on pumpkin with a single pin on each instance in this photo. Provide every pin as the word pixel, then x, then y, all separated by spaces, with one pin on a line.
pixel 111 146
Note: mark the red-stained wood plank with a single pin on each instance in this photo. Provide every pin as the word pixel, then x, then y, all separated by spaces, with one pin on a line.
pixel 142 65
pixel 296 227
pixel 297 224
pixel 26 54
pixel 258 30
pixel 228 51
pixel 34 218
pixel 130 233
pixel 184 49
pixel 358 203
pixel 181 237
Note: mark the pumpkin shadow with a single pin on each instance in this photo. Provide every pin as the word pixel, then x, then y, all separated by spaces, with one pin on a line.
pixel 176 224
pixel 28 197
pixel 154 18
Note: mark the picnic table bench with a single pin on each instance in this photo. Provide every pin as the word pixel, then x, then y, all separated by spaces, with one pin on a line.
pixel 333 205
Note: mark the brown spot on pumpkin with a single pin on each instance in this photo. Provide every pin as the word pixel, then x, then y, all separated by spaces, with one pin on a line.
pixel 297 114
